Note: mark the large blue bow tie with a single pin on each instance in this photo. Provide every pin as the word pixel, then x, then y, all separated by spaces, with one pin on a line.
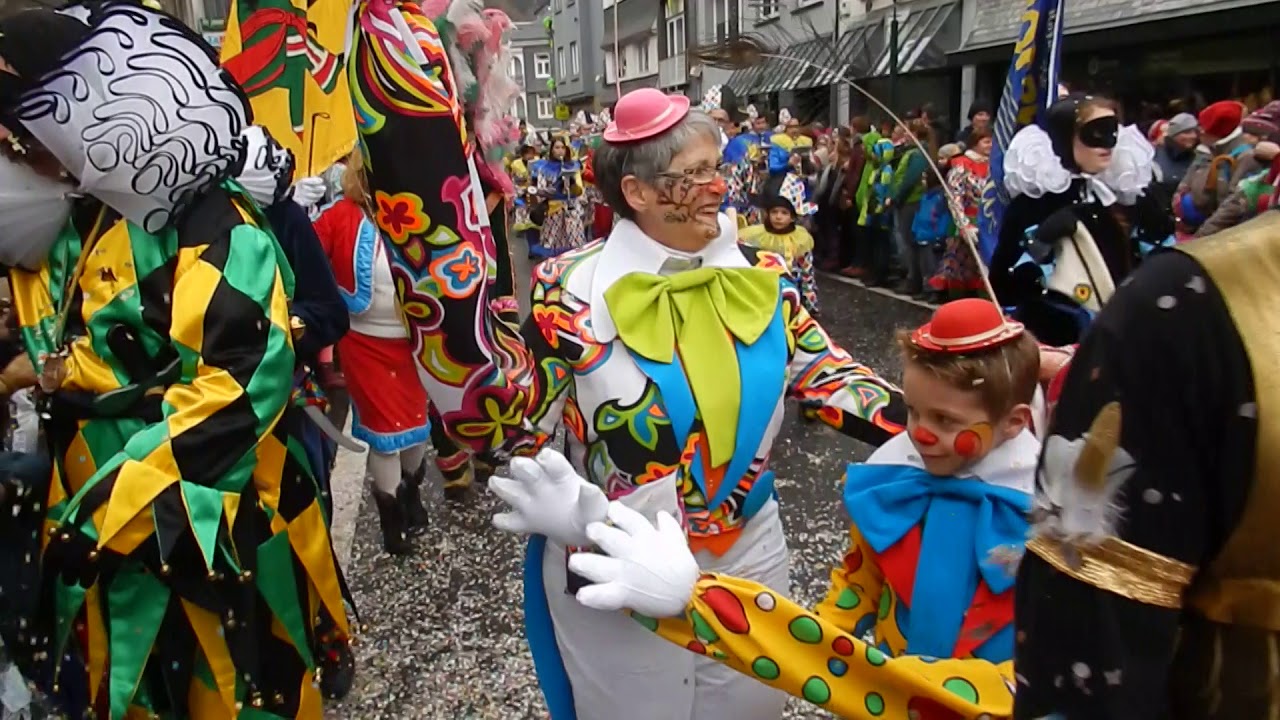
pixel 967 524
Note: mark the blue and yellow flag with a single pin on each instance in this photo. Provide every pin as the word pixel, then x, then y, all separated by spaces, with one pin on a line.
pixel 1029 89
pixel 288 57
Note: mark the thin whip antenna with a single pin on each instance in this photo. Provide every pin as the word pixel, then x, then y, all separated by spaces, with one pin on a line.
pixel 966 229
pixel 749 50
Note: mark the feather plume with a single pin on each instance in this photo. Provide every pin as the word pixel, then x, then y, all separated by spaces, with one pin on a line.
pixel 1100 443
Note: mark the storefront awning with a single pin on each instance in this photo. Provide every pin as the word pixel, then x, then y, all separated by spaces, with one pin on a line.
pixel 815 58
pixel 635 19
pixel 924 39
pixel 997 22
pixel 743 80
pixel 858 49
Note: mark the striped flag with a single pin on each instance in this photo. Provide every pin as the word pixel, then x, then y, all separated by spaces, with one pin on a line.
pixel 1029 89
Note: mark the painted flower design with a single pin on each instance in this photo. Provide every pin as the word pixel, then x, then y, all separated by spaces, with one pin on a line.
pixel 401 216
pixel 458 271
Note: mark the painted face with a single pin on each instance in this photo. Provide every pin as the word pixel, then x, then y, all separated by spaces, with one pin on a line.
pixel 688 196
pixel 1095 138
pixel 950 428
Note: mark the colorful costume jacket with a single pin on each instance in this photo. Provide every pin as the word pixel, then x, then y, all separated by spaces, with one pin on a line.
pixel 918 622
pixel 180 501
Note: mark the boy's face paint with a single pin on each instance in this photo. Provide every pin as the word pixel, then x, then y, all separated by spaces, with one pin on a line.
pixel 923 436
pixel 973 441
pixel 950 428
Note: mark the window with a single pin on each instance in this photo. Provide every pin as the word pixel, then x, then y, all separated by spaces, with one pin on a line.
pixel 675 35
pixel 544 107
pixel 768 9
pixel 574 67
pixel 726 18
pixel 520 108
pixel 642 50
pixel 560 62
pixel 517 69
pixel 542 65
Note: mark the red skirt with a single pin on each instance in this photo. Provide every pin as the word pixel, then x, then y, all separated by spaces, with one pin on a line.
pixel 388 402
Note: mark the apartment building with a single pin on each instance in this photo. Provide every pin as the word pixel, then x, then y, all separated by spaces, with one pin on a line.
pixel 531 68
pixel 577 29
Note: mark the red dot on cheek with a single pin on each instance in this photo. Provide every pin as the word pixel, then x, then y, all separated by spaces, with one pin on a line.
pixel 924 437
pixel 968 443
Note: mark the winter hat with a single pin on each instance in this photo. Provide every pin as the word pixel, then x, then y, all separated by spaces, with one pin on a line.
pixel 1158 130
pixel 978 106
pixel 1221 118
pixel 1180 123
pixel 949 151
pixel 1264 122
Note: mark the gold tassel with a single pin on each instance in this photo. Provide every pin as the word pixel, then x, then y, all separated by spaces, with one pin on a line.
pixel 1100 445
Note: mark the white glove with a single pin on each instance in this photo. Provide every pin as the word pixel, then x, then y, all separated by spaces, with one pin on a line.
pixel 548 497
pixel 308 191
pixel 647 569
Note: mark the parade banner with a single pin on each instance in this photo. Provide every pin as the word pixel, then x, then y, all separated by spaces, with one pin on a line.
pixel 288 57
pixel 1029 89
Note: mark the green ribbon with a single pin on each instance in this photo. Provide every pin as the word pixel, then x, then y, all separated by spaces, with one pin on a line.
pixel 698 313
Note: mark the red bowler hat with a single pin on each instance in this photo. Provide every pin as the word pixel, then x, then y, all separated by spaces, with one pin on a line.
pixel 644 113
pixel 964 326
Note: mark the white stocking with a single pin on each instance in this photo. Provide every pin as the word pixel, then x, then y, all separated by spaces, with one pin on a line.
pixel 385 468
pixel 411 458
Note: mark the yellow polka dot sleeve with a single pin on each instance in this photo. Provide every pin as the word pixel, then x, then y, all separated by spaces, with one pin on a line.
pixel 763 635
pixel 856 587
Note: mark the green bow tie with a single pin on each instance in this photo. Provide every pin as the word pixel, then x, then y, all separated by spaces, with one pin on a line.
pixel 698 313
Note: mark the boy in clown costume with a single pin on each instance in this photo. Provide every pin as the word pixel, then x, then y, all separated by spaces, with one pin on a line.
pixel 918 622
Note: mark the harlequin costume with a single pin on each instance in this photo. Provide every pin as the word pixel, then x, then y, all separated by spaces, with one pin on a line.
pixel 793 242
pixel 185 546
pixel 642 425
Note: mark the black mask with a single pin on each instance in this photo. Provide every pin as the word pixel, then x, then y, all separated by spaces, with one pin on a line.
pixel 1100 133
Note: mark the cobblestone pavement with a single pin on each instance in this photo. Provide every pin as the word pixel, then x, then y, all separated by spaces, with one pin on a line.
pixel 443 630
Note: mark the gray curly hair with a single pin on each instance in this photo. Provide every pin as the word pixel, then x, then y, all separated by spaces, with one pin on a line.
pixel 646 159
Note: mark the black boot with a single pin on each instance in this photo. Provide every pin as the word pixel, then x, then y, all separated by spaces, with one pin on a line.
pixel 458 483
pixel 395 538
pixel 410 494
pixel 337 668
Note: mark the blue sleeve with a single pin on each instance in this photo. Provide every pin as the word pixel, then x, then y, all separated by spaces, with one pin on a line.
pixel 316 300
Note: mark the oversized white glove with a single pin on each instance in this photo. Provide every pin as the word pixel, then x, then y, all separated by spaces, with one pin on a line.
pixel 548 497
pixel 648 569
pixel 308 191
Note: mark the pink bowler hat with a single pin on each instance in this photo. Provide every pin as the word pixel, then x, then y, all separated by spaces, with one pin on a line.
pixel 644 113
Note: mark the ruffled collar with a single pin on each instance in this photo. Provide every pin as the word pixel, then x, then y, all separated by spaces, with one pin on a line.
pixel 1031 167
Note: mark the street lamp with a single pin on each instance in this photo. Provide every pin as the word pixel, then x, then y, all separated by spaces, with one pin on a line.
pixel 893 58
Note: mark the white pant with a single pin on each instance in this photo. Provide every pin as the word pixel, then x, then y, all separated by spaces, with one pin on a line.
pixel 621 671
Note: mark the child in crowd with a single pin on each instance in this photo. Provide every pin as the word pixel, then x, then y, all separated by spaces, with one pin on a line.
pixel 779 232
pixel 918 621
pixel 933 224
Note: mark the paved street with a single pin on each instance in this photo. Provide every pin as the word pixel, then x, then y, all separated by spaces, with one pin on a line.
pixel 443 633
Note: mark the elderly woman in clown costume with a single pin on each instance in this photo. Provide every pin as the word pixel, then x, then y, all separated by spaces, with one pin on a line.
pixel 668 352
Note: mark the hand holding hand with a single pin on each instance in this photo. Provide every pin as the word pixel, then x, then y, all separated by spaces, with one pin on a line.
pixel 647 569
pixel 547 497
pixel 308 191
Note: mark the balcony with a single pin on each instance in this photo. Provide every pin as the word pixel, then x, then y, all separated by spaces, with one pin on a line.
pixel 673 71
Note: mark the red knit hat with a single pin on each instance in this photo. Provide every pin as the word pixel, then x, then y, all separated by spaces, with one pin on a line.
pixel 1221 118
pixel 967 325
